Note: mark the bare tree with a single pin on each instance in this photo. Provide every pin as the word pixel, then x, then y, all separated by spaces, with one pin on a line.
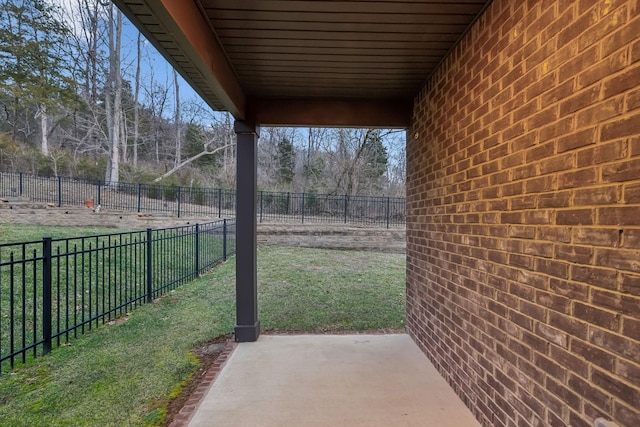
pixel 176 118
pixel 136 102
pixel 113 95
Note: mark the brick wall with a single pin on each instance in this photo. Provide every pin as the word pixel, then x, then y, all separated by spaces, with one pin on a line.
pixel 523 234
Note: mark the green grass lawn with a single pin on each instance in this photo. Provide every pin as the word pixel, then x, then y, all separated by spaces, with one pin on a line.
pixel 10 233
pixel 121 375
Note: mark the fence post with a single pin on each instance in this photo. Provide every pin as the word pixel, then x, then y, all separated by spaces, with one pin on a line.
pixel 149 266
pixel 20 184
pixel 197 248
pixel 99 184
pixel 224 239
pixel 46 294
pixel 303 208
pixel 219 202
pixel 139 196
pixel 288 200
pixel 346 200
pixel 261 206
pixel 388 207
pixel 59 191
pixel 179 197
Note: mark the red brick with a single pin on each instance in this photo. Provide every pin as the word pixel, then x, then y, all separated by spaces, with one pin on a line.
pixel 552 268
pixel 555 234
pixel 625 415
pixel 533 280
pixel 573 253
pixel 596 196
pixel 560 91
pixel 558 163
pixel 577 178
pixel 635 52
pixel 596 236
pixel 574 327
pixel 552 301
pixel 512 189
pixel 522 142
pixel 522 232
pixel 575 217
pixel 577 291
pixel 579 101
pixel 554 336
pixel 542 118
pixel 616 387
pixel 619 303
pixel 540 185
pixel 618 258
pixel 511 218
pixel 631 328
pixel 593 354
pixel 558 128
pixel 632 193
pixel 630 284
pixel 540 152
pixel 577 140
pixel 621 82
pixel 523 172
pixel 539 249
pixel 512 160
pixel 619 216
pixel 551 402
pixel 600 112
pixel 521 261
pixel 569 397
pixel 620 38
pixel 576 420
pixel 595 395
pixel 599 277
pixel 595 316
pixel 556 199
pixel 489 301
pixel 577 27
pixel 622 171
pixel 603 69
pixel 537 217
pixel 628 126
pixel 542 85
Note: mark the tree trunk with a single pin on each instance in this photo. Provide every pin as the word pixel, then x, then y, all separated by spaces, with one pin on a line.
pixel 114 85
pixel 136 105
pixel 177 118
pixel 44 129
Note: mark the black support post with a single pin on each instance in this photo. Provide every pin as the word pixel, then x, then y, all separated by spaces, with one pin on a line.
pixel 247 324
pixel 59 191
pixel 197 249
pixel 47 301
pixel 224 239
pixel 149 265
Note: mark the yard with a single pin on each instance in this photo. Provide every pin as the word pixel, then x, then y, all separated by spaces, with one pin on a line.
pixel 125 373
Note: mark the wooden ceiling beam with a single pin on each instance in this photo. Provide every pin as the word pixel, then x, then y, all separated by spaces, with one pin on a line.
pixel 393 113
pixel 194 36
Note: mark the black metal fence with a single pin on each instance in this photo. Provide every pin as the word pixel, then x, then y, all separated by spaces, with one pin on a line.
pixel 54 289
pixel 195 201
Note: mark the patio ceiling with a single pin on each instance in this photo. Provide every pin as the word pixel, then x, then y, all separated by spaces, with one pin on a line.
pixel 313 62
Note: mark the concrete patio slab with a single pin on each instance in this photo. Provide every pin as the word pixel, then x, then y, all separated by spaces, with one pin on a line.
pixel 330 380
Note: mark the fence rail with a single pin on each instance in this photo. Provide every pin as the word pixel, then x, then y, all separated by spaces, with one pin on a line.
pixel 195 201
pixel 54 289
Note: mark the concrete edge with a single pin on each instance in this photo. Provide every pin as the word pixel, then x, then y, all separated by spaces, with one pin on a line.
pixel 190 407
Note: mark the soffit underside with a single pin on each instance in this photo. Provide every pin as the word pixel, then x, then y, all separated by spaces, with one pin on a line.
pixel 360 51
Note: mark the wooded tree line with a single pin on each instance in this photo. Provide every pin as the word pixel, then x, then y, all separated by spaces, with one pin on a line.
pixel 80 96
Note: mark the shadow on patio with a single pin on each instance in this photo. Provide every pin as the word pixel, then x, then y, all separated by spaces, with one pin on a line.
pixel 330 380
